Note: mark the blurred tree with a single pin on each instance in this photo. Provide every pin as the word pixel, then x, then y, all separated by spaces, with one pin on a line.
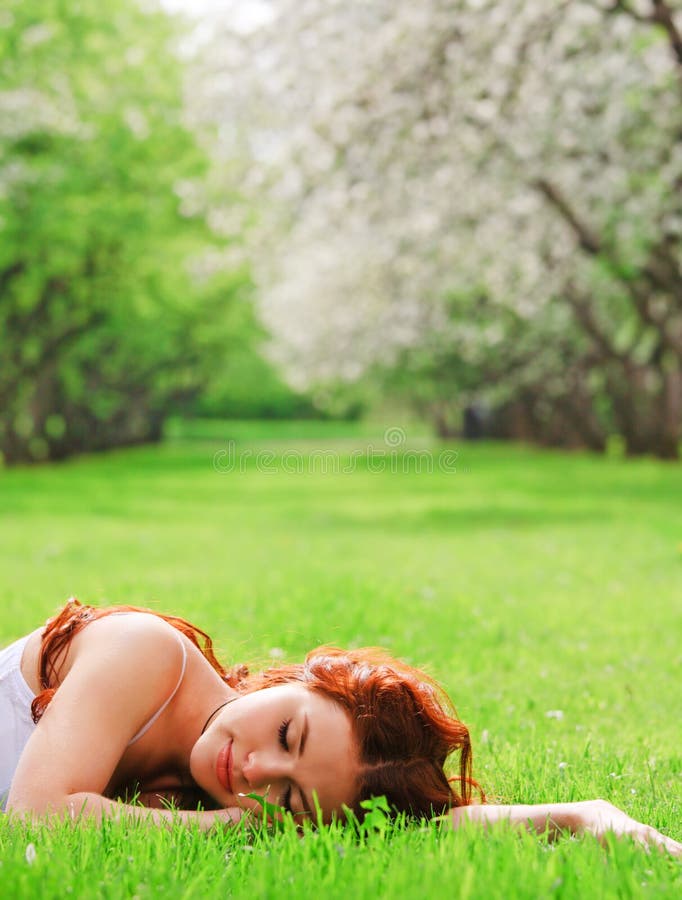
pixel 246 385
pixel 503 380
pixel 103 325
pixel 420 157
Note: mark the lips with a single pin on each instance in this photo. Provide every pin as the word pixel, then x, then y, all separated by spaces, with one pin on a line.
pixel 224 767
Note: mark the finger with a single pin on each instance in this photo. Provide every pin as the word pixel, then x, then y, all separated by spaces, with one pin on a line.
pixel 650 837
pixel 673 847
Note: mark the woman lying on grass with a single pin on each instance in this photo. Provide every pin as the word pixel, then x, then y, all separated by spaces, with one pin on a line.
pixel 105 705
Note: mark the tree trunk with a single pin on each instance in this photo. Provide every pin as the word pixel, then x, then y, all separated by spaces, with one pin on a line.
pixel 671 417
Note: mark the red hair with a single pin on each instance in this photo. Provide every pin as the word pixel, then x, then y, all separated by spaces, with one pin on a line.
pixel 405 727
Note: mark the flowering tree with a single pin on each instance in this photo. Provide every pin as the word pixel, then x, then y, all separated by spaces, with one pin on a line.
pixel 486 192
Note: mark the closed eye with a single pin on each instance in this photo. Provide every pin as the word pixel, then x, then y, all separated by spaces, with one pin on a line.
pixel 283 729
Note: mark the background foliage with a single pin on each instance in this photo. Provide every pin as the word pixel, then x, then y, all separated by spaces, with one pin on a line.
pixel 111 313
pixel 472 208
pixel 483 195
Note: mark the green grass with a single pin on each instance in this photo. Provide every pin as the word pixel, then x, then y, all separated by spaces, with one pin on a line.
pixel 527 582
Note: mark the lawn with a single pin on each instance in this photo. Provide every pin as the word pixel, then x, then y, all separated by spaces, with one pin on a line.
pixel 543 589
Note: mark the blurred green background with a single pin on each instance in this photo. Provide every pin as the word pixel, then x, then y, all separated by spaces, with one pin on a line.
pixel 109 320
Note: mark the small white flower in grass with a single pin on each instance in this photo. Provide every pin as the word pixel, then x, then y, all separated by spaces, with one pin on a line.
pixel 30 854
pixel 485 736
pixel 555 714
pixel 563 765
pixel 276 653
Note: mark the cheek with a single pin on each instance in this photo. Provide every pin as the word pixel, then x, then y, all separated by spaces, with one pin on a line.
pixel 253 722
pixel 200 764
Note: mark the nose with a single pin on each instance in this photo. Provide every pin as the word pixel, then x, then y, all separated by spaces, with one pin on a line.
pixel 261 770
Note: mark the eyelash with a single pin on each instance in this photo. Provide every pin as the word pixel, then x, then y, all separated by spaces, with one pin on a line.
pixel 283 728
pixel 282 733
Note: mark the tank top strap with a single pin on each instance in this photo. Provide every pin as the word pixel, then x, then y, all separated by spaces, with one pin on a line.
pixel 145 728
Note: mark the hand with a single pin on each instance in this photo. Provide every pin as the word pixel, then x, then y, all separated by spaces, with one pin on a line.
pixel 598 817
pixel 595 817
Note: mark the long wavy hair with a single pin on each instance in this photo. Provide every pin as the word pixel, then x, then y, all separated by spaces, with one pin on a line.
pixel 405 727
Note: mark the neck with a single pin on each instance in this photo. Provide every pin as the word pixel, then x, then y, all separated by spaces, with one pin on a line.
pixel 200 703
pixel 215 711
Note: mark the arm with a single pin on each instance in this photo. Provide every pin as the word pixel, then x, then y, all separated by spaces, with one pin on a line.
pixel 167 792
pixel 597 817
pixel 90 806
pixel 119 671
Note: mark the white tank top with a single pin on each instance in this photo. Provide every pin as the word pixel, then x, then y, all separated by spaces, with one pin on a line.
pixel 16 724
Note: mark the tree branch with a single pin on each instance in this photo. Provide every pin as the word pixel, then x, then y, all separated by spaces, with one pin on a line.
pixel 49 353
pixel 651 273
pixel 663 271
pixel 9 274
pixel 587 239
pixel 661 14
pixel 584 313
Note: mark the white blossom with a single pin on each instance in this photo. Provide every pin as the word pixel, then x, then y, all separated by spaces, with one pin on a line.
pixel 394 152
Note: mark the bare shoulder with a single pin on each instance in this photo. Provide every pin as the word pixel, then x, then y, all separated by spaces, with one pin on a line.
pixel 139 642
pixel 120 670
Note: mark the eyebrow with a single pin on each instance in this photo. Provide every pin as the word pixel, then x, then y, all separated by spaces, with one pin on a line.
pixel 301 748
